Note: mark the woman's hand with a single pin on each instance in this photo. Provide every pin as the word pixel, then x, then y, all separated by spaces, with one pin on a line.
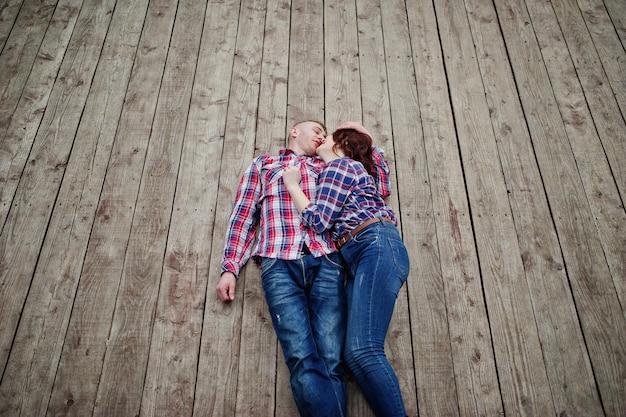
pixel 292 176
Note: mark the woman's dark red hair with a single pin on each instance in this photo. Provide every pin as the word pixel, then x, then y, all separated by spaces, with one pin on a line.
pixel 356 145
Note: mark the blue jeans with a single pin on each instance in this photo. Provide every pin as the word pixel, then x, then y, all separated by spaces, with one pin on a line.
pixel 307 303
pixel 378 266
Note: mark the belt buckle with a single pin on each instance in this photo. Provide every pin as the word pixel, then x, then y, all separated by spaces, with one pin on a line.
pixel 343 240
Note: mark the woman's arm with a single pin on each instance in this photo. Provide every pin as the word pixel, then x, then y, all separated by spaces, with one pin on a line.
pixel 291 177
pixel 381 177
pixel 334 186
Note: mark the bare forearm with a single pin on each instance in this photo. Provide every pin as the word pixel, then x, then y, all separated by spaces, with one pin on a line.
pixel 297 195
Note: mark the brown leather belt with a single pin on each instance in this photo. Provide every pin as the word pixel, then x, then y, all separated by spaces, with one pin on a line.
pixel 345 238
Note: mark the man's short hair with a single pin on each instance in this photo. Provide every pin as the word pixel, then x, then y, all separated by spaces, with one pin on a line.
pixel 313 121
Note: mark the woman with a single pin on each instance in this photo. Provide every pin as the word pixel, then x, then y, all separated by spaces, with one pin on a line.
pixel 364 229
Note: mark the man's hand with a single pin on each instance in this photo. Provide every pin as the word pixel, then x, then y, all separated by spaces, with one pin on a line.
pixel 226 286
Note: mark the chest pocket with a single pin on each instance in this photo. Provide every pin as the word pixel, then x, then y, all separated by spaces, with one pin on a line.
pixel 272 174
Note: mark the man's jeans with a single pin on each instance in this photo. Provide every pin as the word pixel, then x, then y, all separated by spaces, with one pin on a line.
pixel 378 266
pixel 307 303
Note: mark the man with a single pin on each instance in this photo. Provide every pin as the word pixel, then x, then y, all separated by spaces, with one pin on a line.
pixel 302 273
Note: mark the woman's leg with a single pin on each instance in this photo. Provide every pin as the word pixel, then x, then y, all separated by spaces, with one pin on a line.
pixel 379 267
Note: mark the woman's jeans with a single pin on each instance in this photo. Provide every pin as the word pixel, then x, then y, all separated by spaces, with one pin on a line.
pixel 306 299
pixel 378 266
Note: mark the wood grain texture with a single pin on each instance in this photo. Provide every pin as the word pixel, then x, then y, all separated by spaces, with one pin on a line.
pixel 46 314
pixel 595 298
pixel 521 370
pixel 82 358
pixel 126 126
pixel 8 14
pixel 26 224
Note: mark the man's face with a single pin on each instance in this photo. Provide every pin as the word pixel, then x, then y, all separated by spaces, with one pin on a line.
pixel 305 137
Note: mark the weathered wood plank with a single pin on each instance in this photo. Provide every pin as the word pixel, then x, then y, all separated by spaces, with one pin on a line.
pixel 8 14
pixel 601 44
pixel 377 116
pixel 306 94
pixel 584 132
pixel 617 11
pixel 172 374
pixel 125 361
pixel 341 64
pixel 81 361
pixel 600 63
pixel 521 370
pixel 20 53
pixel 592 35
pixel 29 67
pixel 473 359
pixel 271 130
pixel 564 351
pixel 29 376
pixel 599 312
pixel 25 227
pixel 305 100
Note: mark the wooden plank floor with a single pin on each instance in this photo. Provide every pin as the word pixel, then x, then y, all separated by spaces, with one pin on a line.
pixel 126 125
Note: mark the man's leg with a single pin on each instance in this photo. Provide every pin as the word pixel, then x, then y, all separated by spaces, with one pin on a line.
pixel 285 287
pixel 327 303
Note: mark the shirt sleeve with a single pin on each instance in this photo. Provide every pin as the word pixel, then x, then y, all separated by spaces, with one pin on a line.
pixel 243 220
pixel 383 183
pixel 333 188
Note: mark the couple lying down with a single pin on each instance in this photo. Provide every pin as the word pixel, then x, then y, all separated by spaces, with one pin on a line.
pixel 321 217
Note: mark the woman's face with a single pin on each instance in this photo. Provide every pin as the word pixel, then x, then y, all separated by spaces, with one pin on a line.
pixel 326 146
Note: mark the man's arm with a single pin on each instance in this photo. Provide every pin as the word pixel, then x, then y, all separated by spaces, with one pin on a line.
pixel 240 232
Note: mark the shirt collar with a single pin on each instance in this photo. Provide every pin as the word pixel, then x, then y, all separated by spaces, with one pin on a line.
pixel 287 151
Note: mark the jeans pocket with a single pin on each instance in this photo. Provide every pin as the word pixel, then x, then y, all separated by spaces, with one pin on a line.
pixel 335 259
pixel 266 265
pixel 400 257
pixel 368 235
